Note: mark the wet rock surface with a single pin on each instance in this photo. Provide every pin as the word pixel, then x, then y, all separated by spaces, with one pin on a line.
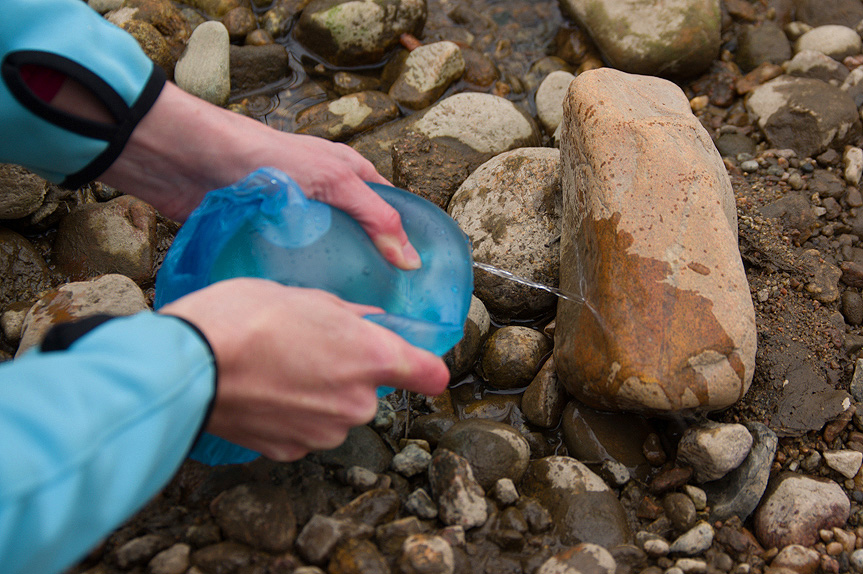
pixel 637 497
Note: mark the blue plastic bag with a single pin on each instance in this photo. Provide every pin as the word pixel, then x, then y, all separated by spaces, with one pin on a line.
pixel 264 226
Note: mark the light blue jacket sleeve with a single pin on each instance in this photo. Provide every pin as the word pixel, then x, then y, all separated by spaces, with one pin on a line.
pixel 90 434
pixel 69 37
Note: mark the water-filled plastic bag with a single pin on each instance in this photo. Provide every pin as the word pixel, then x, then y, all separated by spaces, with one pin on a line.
pixel 264 226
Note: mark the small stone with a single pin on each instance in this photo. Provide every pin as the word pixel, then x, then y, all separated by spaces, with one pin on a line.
pixel 853 165
pixel 656 547
pixel 504 491
pixel 695 541
pixel 256 514
pixel 846 462
pixel 411 461
pixel 713 449
pixel 698 496
pixel 579 559
pixel 174 560
pixel 361 478
pixel 691 566
pixel 426 554
pixel 420 504
pixel 461 500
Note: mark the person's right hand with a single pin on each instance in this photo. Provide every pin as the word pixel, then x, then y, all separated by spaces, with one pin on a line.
pixel 298 368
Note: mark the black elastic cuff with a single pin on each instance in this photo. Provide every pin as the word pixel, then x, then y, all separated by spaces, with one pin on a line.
pixel 62 336
pixel 116 134
pixel 212 404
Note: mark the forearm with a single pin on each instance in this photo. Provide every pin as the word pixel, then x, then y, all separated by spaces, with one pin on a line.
pixel 93 433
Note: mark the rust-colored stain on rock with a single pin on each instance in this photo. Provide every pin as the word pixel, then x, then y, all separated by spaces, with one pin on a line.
pixel 641 327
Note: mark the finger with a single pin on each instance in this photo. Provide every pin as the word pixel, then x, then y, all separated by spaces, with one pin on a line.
pixel 405 366
pixel 379 219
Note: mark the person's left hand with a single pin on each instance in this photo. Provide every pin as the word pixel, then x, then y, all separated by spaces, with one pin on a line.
pixel 185 147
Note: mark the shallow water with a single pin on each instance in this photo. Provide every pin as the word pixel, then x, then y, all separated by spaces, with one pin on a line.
pixel 515 34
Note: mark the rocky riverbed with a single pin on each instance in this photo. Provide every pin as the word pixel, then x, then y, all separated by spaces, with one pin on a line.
pixel 506 472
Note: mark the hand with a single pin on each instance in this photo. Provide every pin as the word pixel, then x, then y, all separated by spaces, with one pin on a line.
pixel 185 147
pixel 298 368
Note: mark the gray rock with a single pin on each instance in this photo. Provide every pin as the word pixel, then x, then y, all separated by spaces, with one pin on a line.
pixel 373 507
pixel 582 507
pixel 513 355
pixel 411 461
pixel 426 554
pixel 678 38
pixel 806 115
pixel 493 450
pixel 647 260
pixel 713 449
pixel 695 541
pixel 426 74
pixel 21 192
pixel 845 462
pixel 140 550
pixel 203 69
pixel 461 358
pixel 253 67
pixel 221 557
pixel 581 559
pixel 460 498
pixel 361 478
pixel 738 493
pixel 435 152
pixel 734 144
pixel 837 42
pixel 363 447
pixel 420 504
pixel 763 43
pixel 796 507
pixel 173 560
pixel 110 294
pixel 320 536
pixel 680 510
pixel 549 99
pixel 545 398
pixel 856 387
pixel 853 160
pixel 350 33
pixel 343 118
pixel 24 271
pixel 816 65
pixel 256 514
pixel 823 12
pixel 504 491
pixel 117 236
pixel 510 208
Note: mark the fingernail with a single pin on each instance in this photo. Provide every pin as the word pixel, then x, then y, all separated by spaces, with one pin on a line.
pixel 412 258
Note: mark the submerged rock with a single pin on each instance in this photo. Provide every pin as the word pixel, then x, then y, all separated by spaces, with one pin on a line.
pixel 650 241
pixel 358 32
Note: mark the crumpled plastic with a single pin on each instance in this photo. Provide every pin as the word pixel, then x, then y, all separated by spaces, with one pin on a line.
pixel 264 226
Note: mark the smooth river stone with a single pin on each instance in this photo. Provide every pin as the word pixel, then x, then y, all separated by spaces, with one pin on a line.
pixel 650 240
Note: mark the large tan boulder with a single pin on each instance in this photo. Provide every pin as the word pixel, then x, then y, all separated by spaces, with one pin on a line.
pixel 650 241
